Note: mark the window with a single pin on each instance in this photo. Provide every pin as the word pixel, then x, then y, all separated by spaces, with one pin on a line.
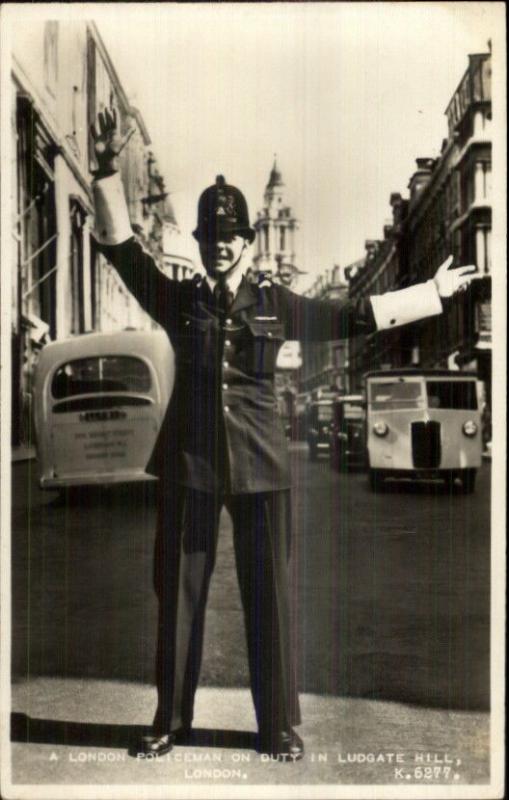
pixel 324 413
pixel 482 181
pixel 51 56
pixel 94 295
pixel 397 395
pixel 76 264
pixel 281 238
pixel 452 394
pixel 482 249
pixel 91 98
pixel 37 266
pixel 101 374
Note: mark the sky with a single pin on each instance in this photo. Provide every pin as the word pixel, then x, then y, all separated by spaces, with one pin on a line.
pixel 347 94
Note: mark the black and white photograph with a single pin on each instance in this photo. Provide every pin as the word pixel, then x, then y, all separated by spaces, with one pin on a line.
pixel 253 398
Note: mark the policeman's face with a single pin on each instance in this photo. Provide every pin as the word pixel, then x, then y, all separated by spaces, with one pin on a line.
pixel 222 256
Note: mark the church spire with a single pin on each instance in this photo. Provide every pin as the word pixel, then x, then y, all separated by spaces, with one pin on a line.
pixel 275 178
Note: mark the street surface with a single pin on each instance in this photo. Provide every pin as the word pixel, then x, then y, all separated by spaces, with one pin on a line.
pixel 391 598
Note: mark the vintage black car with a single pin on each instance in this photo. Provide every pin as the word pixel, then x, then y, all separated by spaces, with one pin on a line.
pixel 318 420
pixel 348 433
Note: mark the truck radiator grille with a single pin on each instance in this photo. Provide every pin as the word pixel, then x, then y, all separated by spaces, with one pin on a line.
pixel 426 450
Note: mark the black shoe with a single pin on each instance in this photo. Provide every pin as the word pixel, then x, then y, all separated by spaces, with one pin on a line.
pixel 282 745
pixel 154 746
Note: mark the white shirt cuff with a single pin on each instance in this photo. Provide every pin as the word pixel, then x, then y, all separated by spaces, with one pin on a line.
pixel 406 305
pixel 112 223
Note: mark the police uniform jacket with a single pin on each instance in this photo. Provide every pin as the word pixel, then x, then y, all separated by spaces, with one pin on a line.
pixel 223 421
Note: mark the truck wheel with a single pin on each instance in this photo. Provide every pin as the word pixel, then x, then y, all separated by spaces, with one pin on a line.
pixel 468 480
pixel 376 480
pixel 449 480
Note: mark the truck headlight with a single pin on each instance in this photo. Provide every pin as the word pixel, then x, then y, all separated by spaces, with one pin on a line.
pixel 380 428
pixel 469 428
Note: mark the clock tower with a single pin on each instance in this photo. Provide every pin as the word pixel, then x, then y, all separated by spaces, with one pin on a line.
pixel 276 228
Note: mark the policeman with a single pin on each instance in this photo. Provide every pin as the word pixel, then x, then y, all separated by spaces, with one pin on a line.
pixel 222 443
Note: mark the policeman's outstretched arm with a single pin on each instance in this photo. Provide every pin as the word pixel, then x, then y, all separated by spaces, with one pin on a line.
pixel 423 299
pixel 318 320
pixel 113 233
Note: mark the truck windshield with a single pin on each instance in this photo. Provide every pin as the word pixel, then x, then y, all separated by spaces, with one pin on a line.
pixel 101 374
pixel 397 395
pixel 452 394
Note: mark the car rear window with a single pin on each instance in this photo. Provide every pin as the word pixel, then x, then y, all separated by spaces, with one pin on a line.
pixel 397 394
pixel 452 394
pixel 100 374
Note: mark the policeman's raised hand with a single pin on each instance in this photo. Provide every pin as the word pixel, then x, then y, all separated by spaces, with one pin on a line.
pixel 449 281
pixel 108 143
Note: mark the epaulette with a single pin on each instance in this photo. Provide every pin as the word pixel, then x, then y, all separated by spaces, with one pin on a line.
pixel 265 280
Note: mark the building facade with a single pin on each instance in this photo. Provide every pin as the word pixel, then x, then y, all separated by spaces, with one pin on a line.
pixel 448 211
pixel 378 272
pixel 325 364
pixel 62 76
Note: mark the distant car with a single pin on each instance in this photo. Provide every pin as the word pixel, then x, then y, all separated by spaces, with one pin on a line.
pixel 348 433
pixel 99 402
pixel 318 420
pixel 423 424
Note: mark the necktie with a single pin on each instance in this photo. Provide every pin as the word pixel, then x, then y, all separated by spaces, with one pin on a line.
pixel 223 296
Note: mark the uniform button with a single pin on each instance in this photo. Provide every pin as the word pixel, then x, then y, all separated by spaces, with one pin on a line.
pixel 269 334
pixel 228 321
pixel 393 321
pixel 225 385
pixel 226 364
pixel 227 408
pixel 227 343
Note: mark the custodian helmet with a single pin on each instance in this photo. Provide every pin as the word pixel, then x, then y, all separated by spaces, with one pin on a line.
pixel 222 209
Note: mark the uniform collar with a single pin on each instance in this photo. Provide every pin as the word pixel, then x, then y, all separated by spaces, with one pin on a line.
pixel 247 293
pixel 232 284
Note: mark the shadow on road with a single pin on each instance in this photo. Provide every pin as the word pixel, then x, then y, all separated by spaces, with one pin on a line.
pixel 105 496
pixel 32 730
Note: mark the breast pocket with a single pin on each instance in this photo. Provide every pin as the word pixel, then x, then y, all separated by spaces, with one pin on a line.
pixel 266 339
pixel 195 341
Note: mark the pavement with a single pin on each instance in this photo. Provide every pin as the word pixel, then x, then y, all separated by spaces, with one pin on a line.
pixel 81 731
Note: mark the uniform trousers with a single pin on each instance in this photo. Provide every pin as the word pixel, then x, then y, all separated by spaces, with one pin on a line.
pixel 184 562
